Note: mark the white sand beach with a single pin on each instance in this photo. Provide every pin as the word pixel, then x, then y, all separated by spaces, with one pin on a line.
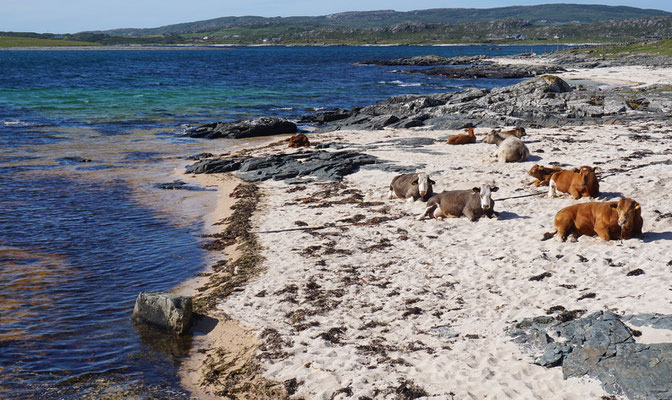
pixel 359 310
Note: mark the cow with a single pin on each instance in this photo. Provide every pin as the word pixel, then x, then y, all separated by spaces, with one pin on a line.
pixel 510 149
pixel 609 220
pixel 578 182
pixel 412 187
pixel 300 140
pixel 473 204
pixel 518 132
pixel 462 138
pixel 542 174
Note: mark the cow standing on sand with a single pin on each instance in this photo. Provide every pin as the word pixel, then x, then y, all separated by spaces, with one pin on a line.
pixel 412 187
pixel 579 182
pixel 610 220
pixel 471 203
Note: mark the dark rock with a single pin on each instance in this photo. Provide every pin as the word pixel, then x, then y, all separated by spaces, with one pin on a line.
pixel 168 312
pixel 602 347
pixel 544 101
pixel 217 165
pixel 430 60
pixel 264 126
pixel 179 185
pixel 491 71
pixel 199 156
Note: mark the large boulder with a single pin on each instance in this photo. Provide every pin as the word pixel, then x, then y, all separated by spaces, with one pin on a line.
pixel 168 312
pixel 264 126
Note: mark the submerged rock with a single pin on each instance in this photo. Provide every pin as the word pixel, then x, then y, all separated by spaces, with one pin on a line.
pixel 264 126
pixel 603 347
pixel 168 312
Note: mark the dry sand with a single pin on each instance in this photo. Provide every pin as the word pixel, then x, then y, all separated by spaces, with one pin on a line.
pixel 367 309
pixel 636 76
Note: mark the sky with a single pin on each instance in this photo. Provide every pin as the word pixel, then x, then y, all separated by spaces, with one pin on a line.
pixel 71 16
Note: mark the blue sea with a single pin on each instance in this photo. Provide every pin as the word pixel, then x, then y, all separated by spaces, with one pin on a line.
pixel 85 136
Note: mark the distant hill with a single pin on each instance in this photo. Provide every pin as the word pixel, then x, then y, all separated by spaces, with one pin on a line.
pixel 546 14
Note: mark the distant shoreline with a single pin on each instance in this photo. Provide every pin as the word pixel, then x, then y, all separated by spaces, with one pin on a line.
pixel 229 46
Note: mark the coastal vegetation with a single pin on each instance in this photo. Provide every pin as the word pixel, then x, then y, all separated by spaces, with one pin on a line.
pixel 542 24
pixel 20 41
pixel 654 47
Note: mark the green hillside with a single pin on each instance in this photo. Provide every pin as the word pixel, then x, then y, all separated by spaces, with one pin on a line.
pixel 548 13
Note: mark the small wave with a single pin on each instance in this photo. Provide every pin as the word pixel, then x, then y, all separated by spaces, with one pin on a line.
pixel 410 84
pixel 282 109
pixel 15 122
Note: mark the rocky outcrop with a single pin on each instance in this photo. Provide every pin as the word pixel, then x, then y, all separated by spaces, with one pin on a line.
pixel 420 61
pixel 492 71
pixel 542 101
pixel 603 347
pixel 168 312
pixel 264 126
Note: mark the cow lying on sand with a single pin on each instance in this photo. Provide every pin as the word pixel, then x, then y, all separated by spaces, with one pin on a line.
pixel 543 174
pixel 510 149
pixel 610 220
pixel 300 140
pixel 462 138
pixel 471 203
pixel 579 182
pixel 518 132
pixel 412 187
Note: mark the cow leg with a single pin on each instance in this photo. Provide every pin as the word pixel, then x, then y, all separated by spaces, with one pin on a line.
pixel 470 214
pixel 575 193
pixel 410 199
pixel 391 194
pixel 551 188
pixel 428 211
pixel 602 231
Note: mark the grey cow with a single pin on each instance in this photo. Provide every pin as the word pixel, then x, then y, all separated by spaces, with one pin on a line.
pixel 471 203
pixel 412 187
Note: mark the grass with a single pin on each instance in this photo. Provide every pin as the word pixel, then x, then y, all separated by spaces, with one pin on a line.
pixel 10 41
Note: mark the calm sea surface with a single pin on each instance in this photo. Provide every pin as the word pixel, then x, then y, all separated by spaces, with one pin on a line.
pixel 84 137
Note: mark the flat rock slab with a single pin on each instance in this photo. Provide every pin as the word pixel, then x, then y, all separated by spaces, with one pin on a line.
pixel 317 165
pixel 603 347
pixel 167 312
pixel 429 60
pixel 492 71
pixel 264 126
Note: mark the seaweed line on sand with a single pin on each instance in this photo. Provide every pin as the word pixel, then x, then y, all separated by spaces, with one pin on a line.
pixel 236 374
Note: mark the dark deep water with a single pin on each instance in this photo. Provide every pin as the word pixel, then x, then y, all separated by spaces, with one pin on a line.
pixel 79 239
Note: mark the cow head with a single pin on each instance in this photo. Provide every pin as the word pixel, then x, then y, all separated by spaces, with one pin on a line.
pixel 588 178
pixel 424 184
pixel 628 210
pixel 492 138
pixel 485 193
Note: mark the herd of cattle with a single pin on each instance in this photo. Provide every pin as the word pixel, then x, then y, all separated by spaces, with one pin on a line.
pixel 609 220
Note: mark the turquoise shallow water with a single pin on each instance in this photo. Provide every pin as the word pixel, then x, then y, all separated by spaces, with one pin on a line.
pixel 84 135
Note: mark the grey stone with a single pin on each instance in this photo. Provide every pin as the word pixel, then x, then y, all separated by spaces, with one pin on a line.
pixel 263 126
pixel 168 312
pixel 602 347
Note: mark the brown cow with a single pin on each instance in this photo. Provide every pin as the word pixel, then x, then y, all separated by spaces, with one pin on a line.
pixel 300 140
pixel 579 182
pixel 518 132
pixel 462 138
pixel 543 174
pixel 610 220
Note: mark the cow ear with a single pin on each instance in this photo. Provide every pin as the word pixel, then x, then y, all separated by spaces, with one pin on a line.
pixel 575 170
pixel 637 207
pixel 476 190
pixel 595 168
pixel 432 182
pixel 414 183
pixel 494 189
pixel 613 205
